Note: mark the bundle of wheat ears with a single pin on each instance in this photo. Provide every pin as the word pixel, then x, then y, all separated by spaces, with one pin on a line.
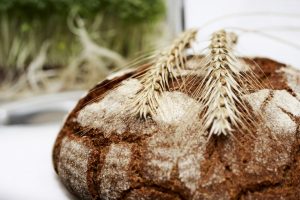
pixel 209 126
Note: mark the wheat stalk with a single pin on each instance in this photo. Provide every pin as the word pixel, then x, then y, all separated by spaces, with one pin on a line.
pixel 222 87
pixel 156 79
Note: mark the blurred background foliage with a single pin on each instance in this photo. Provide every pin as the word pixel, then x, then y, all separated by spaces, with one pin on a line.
pixel 55 45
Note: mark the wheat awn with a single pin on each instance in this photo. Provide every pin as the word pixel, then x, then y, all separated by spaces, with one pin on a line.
pixel 156 79
pixel 222 88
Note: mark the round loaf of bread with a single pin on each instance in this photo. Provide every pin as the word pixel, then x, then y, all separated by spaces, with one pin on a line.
pixel 101 153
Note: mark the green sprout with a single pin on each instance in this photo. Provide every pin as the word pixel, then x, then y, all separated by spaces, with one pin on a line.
pixel 43 34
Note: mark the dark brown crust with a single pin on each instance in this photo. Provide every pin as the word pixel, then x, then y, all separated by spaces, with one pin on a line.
pixel 239 183
pixel 94 164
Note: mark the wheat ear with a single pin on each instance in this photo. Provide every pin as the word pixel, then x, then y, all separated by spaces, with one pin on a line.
pixel 156 79
pixel 222 87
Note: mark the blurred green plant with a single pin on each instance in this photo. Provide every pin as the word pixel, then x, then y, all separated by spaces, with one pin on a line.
pixel 36 35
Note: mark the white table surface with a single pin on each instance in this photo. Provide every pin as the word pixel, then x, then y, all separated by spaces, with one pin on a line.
pixel 26 170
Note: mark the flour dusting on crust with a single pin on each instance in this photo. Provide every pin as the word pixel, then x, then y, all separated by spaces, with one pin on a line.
pixel 276 111
pixel 73 166
pixel 161 157
pixel 287 102
pixel 109 113
pixel 189 170
pixel 270 150
pixel 293 79
pixel 173 107
pixel 184 150
pixel 113 178
pixel 256 99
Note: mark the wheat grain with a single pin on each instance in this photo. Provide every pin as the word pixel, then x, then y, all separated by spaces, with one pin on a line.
pixel 222 87
pixel 156 79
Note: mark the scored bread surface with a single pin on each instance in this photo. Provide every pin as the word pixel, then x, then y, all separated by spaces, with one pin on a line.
pixel 101 153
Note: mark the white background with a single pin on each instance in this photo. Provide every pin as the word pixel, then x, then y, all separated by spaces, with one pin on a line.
pixel 199 12
pixel 26 170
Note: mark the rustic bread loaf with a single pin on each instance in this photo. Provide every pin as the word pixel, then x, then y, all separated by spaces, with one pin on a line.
pixel 101 153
